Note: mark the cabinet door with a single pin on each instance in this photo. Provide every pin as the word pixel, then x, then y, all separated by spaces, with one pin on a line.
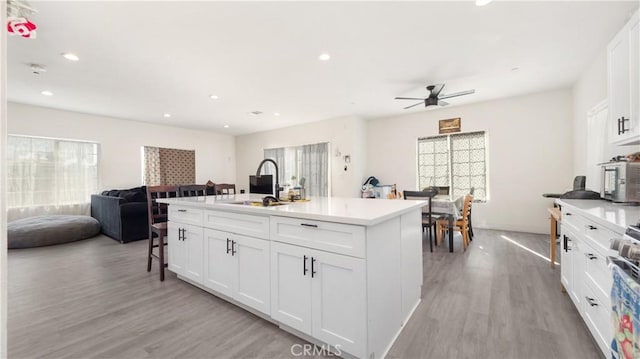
pixel 175 248
pixel 338 301
pixel 566 258
pixel 291 286
pixel 194 252
pixel 252 281
pixel 619 91
pixel 578 277
pixel 219 264
pixel 634 78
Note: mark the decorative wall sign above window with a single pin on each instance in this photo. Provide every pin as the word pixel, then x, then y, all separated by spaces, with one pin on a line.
pixel 449 126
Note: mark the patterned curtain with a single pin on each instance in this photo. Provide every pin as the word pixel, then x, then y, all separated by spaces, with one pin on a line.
pixel 168 166
pixel 314 167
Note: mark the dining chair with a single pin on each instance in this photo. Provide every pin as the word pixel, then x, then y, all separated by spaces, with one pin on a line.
pixel 193 190
pixel 225 188
pixel 158 216
pixel 428 222
pixel 471 192
pixel 461 225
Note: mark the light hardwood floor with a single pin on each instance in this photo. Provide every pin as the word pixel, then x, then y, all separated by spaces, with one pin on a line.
pixel 94 298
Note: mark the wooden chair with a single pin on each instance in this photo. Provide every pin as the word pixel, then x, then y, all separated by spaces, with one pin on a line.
pixel 225 188
pixel 471 191
pixel 158 215
pixel 428 222
pixel 460 225
pixel 193 190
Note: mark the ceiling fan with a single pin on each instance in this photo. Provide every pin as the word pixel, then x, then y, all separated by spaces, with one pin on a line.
pixel 435 97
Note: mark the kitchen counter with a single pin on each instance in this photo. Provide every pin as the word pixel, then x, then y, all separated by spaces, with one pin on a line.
pixel 358 211
pixel 342 273
pixel 615 216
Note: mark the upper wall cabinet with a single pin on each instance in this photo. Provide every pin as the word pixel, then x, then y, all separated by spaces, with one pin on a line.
pixel 623 55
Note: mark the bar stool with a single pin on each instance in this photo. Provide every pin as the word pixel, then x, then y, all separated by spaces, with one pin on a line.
pixel 158 215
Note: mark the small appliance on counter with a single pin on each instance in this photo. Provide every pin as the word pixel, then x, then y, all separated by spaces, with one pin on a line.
pixel 261 184
pixel 621 182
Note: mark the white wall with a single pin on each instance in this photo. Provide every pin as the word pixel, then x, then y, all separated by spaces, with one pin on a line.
pixel 530 152
pixel 121 140
pixel 345 134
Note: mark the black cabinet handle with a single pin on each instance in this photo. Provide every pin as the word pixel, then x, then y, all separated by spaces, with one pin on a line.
pixel 592 302
pixel 228 249
pixel 313 270
pixel 182 210
pixel 184 231
pixel 569 214
pixel 619 130
pixel 304 265
pixel 566 243
pixel 622 121
pixel 181 234
pixel 233 248
pixel 592 227
pixel 591 256
pixel 309 225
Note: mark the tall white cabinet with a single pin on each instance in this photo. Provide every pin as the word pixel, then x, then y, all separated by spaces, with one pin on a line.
pixel 623 55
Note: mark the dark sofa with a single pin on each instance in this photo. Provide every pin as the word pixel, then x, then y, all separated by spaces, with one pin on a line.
pixel 122 213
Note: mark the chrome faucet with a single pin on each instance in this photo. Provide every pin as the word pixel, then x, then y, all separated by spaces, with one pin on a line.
pixel 277 194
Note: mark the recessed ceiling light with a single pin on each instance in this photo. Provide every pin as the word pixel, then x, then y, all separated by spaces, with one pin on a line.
pixel 213 97
pixel 482 2
pixel 515 68
pixel 226 126
pixel 71 57
pixel 324 57
pixel 167 115
pixel 276 113
pixel 47 93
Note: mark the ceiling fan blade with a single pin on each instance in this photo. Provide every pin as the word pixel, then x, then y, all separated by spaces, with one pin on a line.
pixel 442 103
pixel 419 103
pixel 409 98
pixel 461 93
pixel 435 90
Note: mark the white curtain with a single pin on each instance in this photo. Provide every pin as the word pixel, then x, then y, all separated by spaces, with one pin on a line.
pixel 310 162
pixel 50 176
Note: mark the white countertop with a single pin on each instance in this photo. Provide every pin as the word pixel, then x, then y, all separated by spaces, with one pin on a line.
pixel 615 216
pixel 359 211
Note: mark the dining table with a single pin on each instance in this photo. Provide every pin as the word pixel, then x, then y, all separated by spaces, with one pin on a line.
pixel 447 206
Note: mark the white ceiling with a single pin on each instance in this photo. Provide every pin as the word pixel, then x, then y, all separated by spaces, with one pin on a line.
pixel 139 60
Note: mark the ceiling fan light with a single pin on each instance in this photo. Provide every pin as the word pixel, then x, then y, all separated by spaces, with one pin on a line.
pixel 482 2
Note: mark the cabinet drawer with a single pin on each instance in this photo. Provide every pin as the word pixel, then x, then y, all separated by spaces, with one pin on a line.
pixel 328 236
pixel 185 215
pixel 597 315
pixel 599 237
pixel 597 271
pixel 572 221
pixel 254 226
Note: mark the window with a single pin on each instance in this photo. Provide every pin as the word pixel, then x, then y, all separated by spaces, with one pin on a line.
pixel 50 172
pixel 458 161
pixel 308 164
pixel 168 166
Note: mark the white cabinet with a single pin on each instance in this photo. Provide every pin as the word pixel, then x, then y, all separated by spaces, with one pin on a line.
pixel 238 266
pixel 320 294
pixel 623 55
pixel 185 248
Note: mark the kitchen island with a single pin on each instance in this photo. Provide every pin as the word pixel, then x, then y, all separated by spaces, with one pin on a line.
pixel 342 273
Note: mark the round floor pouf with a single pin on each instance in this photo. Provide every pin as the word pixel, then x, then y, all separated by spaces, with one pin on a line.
pixel 48 230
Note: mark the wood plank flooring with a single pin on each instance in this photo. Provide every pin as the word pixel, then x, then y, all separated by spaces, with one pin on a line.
pixel 95 299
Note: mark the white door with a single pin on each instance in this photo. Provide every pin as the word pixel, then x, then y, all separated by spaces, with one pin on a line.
pixel 219 264
pixel 599 149
pixel 338 301
pixel 291 286
pixel 577 272
pixel 634 78
pixel 194 252
pixel 252 265
pixel 175 248
pixel 619 85
pixel 566 241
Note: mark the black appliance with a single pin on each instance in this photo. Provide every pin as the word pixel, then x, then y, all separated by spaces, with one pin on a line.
pixel 262 184
pixel 578 192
